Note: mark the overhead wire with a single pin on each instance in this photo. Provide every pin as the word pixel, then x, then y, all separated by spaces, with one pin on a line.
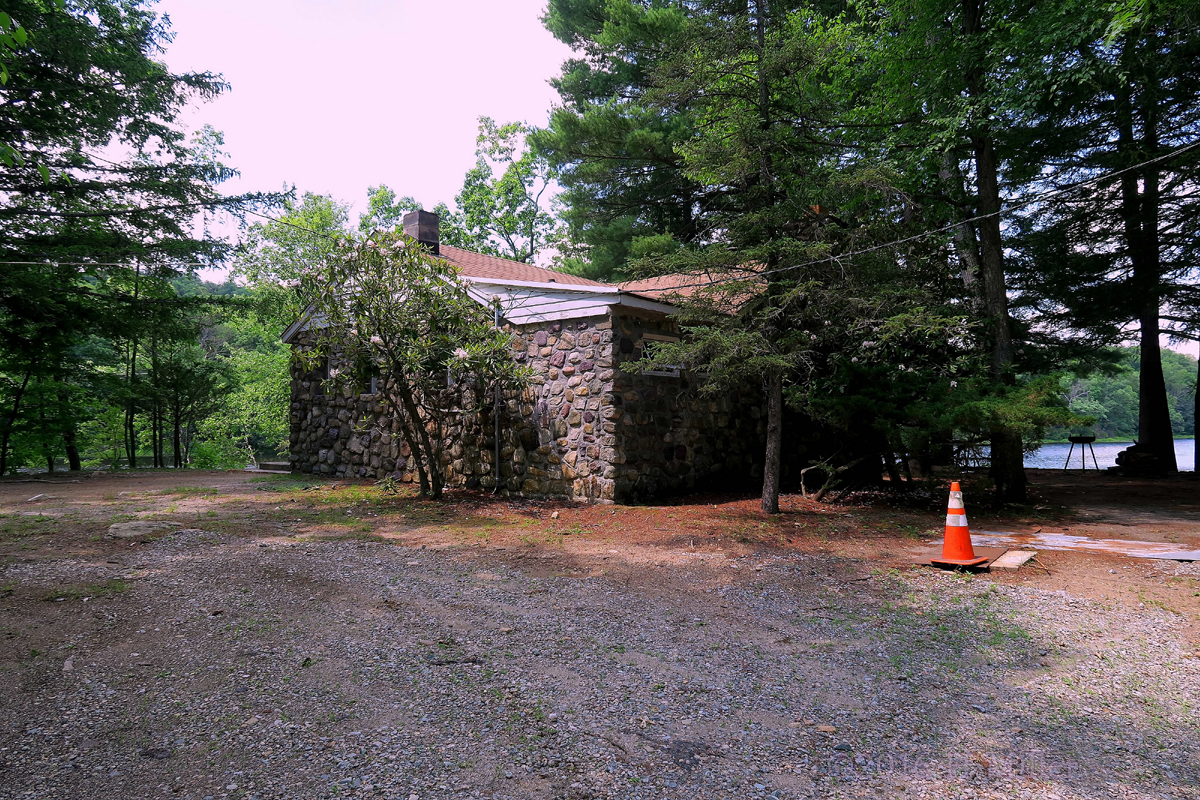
pixel 1023 203
pixel 932 232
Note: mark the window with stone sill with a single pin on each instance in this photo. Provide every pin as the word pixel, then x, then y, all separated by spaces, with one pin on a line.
pixel 319 376
pixel 671 370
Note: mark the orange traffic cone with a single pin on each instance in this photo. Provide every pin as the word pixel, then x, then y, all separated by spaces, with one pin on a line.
pixel 956 547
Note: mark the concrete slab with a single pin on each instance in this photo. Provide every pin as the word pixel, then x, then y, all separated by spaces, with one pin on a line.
pixel 1063 541
pixel 1013 559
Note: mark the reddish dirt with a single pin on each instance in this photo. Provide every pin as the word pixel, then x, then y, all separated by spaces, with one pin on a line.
pixel 877 530
pixel 222 614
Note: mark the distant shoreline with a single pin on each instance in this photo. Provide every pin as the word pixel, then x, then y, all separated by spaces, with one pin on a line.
pixel 1119 440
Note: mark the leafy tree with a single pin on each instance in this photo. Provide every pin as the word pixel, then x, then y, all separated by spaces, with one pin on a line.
pixel 502 205
pixel 938 75
pixel 1116 102
pixel 273 255
pixel 625 192
pixel 385 211
pixel 385 301
pixel 191 388
pixel 89 239
pixel 1111 396
pixel 252 418
pixel 776 301
pixel 501 209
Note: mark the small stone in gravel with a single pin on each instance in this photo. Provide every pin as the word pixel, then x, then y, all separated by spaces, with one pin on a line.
pixel 156 752
pixel 843 747
pixel 826 729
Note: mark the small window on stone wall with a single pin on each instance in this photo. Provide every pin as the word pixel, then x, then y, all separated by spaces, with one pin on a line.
pixel 669 370
pixel 318 376
pixel 366 376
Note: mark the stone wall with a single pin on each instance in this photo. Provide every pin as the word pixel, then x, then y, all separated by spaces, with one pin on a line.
pixel 672 440
pixel 582 428
pixel 552 432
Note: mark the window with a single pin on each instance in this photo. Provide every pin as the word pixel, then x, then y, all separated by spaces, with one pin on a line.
pixel 318 376
pixel 366 375
pixel 669 370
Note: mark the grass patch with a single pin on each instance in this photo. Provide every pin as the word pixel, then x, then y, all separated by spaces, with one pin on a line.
pixel 192 491
pixel 293 478
pixel 361 533
pixel 14 527
pixel 285 483
pixel 109 588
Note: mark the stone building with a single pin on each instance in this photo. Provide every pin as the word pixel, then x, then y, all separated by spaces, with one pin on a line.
pixel 583 428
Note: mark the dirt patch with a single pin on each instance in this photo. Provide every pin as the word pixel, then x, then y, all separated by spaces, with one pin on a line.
pixel 294 638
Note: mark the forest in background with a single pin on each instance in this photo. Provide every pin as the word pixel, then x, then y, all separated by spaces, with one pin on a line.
pixel 953 217
pixel 1112 399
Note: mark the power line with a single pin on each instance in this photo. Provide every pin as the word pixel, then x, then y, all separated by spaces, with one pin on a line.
pixel 100 263
pixel 699 284
pixel 1024 203
pixel 952 226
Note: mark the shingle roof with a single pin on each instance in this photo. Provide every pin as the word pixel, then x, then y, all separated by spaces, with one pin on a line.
pixel 478 265
pixel 676 286
pixel 663 285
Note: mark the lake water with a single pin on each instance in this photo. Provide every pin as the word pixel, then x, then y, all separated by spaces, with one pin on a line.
pixel 1053 456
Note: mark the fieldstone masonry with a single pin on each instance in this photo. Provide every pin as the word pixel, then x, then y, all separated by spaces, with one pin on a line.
pixel 583 428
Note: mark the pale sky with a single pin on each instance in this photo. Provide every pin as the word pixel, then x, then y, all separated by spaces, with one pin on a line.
pixel 338 95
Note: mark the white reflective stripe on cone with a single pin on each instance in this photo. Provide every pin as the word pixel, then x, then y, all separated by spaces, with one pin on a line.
pixel 956 520
pixel 956 500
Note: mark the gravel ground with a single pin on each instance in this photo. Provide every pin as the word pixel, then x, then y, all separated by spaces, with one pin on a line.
pixel 206 665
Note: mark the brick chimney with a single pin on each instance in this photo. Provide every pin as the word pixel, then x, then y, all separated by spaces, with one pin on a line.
pixel 423 226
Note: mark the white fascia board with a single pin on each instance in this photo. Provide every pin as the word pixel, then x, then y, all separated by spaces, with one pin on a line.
pixel 635 301
pixel 551 285
pixel 571 302
pixel 524 302
pixel 296 326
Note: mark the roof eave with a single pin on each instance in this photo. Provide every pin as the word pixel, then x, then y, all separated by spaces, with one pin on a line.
pixel 297 326
pixel 552 285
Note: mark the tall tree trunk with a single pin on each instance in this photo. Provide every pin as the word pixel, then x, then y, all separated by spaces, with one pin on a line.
pixel 966 241
pixel 47 451
pixel 772 384
pixel 176 437
pixel 131 407
pixel 771 465
pixel 69 442
pixel 1007 452
pixel 416 437
pixel 154 436
pixel 11 421
pixel 131 382
pixel 155 406
pixel 74 463
pixel 1140 218
pixel 991 255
